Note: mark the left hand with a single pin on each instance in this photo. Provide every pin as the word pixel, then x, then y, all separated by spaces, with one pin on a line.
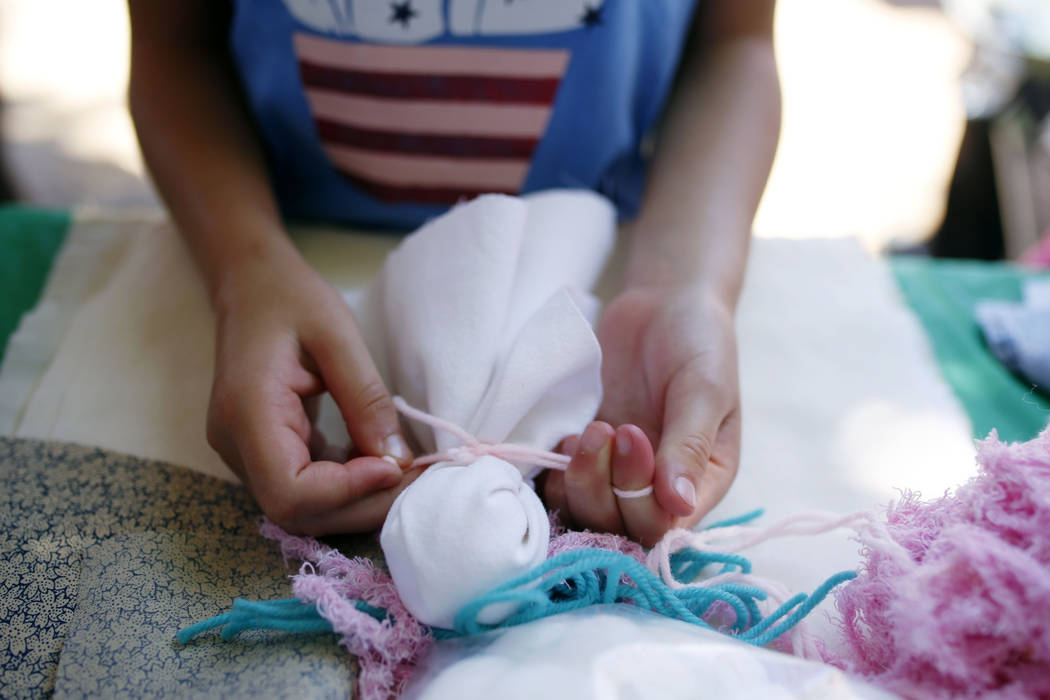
pixel 670 377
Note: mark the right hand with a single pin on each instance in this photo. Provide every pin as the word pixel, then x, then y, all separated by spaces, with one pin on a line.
pixel 284 337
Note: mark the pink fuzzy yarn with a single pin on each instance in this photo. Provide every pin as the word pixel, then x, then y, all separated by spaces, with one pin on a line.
pixel 563 540
pixel 969 615
pixel 387 651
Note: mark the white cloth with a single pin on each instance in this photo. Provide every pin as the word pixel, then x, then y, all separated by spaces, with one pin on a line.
pixel 622 652
pixel 480 318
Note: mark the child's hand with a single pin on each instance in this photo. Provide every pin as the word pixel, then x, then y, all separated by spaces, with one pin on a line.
pixel 285 336
pixel 670 377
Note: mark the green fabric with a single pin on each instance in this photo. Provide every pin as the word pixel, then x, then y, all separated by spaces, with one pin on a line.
pixel 29 239
pixel 943 294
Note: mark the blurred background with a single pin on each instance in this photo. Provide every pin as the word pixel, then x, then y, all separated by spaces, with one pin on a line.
pixel 905 124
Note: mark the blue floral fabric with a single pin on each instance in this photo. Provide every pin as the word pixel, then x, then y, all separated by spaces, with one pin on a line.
pixel 103 557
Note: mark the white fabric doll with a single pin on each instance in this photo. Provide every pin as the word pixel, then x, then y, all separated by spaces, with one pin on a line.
pixel 483 318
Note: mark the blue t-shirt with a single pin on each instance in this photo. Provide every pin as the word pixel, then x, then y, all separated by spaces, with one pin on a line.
pixel 386 112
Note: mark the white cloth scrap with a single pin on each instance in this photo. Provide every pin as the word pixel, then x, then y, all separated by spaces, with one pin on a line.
pixel 483 318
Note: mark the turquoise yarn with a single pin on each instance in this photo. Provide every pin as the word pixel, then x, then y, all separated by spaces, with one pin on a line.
pixel 585 577
pixel 569 581
pixel 738 519
pixel 288 615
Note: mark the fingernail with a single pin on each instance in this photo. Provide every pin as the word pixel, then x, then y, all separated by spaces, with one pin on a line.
pixel 594 439
pixel 388 458
pixel 686 490
pixel 623 443
pixel 395 446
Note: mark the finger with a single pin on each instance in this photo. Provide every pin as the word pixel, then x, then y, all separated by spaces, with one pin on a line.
pixel 320 449
pixel 240 402
pixel 312 407
pixel 633 468
pixel 691 421
pixel 588 481
pixel 722 466
pixel 554 496
pixel 323 451
pixel 552 484
pixel 365 513
pixel 358 390
pixel 569 445
pixel 318 445
pixel 305 501
pixel 289 487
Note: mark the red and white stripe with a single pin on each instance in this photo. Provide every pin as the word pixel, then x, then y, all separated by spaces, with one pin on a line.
pixel 429 124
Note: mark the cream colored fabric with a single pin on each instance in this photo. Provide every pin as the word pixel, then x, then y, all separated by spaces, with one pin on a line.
pixel 119 352
pixel 842 399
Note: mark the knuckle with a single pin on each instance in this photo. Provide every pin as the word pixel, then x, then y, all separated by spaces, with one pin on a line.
pixel 216 437
pixel 218 421
pixel 212 429
pixel 224 404
pixel 696 448
pixel 648 534
pixel 584 475
pixel 221 403
pixel 373 401
pixel 286 513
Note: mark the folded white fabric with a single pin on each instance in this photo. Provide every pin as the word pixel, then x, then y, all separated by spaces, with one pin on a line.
pixel 483 318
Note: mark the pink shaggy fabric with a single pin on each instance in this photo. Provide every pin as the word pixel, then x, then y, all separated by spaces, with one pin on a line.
pixel 388 650
pixel 969 615
pixel 563 540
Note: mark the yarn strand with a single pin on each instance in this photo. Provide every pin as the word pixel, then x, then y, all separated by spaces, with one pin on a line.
pixel 473 448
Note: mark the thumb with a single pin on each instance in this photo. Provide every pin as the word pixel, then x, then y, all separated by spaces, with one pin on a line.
pixel 351 376
pixel 691 423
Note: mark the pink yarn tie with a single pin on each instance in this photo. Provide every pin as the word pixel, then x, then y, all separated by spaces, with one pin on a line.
pixel 473 449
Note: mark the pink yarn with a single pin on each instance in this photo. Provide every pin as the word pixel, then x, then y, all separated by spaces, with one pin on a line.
pixel 967 613
pixel 387 650
pixel 563 540
pixel 472 448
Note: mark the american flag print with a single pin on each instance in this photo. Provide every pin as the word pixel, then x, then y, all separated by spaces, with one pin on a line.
pixel 429 124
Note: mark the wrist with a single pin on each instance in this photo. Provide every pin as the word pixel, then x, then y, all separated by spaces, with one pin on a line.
pixel 707 257
pixel 713 293
pixel 244 273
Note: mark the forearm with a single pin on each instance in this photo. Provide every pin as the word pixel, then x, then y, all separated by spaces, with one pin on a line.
pixel 711 165
pixel 202 151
